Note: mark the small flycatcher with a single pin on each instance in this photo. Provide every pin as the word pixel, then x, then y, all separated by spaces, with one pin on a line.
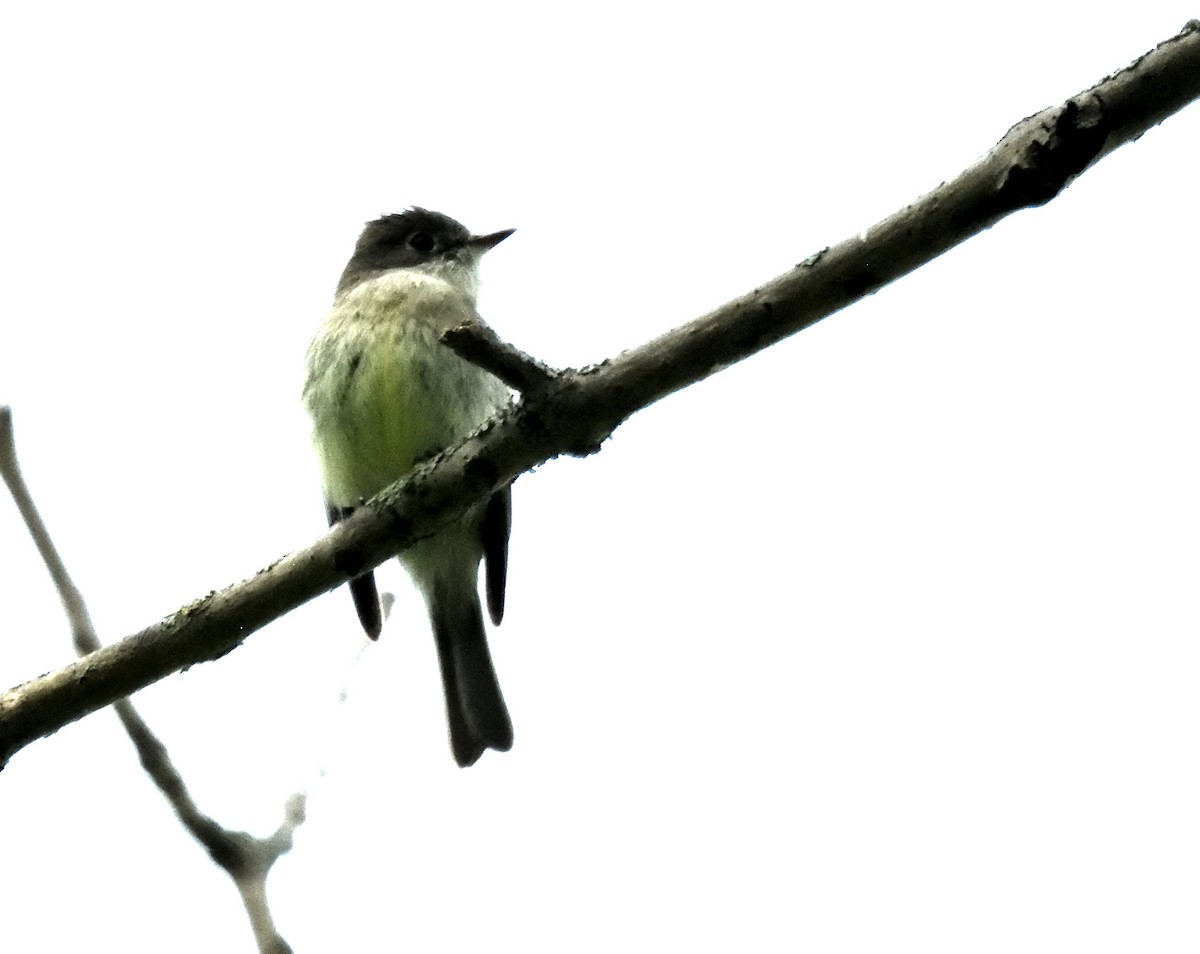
pixel 384 393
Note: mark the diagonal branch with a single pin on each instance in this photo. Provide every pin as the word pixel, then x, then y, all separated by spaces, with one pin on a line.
pixel 573 412
pixel 246 859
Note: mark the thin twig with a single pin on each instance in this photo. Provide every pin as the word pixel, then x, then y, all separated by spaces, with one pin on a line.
pixel 480 345
pixel 246 859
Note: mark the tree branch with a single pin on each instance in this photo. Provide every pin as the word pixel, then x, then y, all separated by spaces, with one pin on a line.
pixel 575 411
pixel 480 345
pixel 246 859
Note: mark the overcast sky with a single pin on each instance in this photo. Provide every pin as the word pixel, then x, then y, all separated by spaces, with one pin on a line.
pixel 884 639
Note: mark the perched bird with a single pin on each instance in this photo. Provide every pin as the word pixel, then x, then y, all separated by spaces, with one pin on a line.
pixel 384 393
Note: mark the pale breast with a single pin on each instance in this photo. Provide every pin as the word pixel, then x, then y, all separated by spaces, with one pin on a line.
pixel 383 391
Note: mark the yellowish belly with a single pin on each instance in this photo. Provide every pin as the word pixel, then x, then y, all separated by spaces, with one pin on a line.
pixel 391 401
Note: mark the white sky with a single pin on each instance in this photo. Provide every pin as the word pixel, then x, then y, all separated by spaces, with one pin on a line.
pixel 885 639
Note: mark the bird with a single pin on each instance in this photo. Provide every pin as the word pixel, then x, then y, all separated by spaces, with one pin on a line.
pixel 384 393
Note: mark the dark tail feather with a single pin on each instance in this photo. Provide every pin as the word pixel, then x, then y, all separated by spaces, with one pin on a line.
pixel 475 708
pixel 362 589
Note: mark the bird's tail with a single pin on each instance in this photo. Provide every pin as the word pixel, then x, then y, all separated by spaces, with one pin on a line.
pixel 475 708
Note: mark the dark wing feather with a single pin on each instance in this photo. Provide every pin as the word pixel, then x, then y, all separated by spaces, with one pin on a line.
pixel 495 529
pixel 362 588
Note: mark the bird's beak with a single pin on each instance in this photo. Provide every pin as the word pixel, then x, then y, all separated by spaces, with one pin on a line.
pixel 484 242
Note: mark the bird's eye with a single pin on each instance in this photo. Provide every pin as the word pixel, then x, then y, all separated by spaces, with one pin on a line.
pixel 421 242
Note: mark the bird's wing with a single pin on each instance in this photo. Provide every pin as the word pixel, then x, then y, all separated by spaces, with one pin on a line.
pixel 362 588
pixel 497 523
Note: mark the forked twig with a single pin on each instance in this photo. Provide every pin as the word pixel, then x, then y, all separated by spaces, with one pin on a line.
pixel 245 858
